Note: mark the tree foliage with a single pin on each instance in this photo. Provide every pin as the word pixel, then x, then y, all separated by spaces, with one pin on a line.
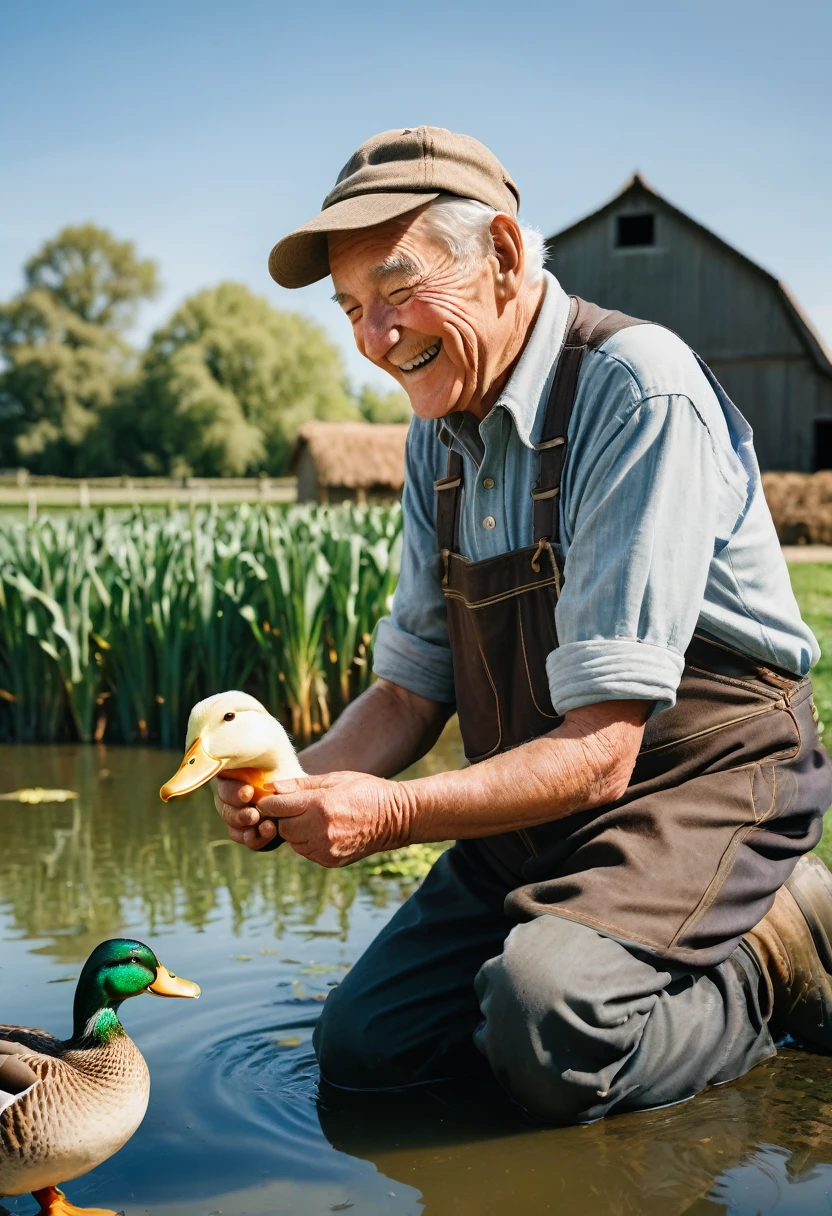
pixel 384 407
pixel 64 357
pixel 224 388
pixel 93 275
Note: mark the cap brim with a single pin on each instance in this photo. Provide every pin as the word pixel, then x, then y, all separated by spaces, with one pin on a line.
pixel 302 257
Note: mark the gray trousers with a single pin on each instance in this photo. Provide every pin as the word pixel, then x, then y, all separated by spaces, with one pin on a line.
pixel 573 1024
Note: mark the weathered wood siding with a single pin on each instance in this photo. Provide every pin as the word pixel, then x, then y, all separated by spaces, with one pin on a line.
pixel 722 306
pixel 307 475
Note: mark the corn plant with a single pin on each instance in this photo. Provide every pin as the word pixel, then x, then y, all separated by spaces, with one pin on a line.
pixel 113 625
pixel 294 577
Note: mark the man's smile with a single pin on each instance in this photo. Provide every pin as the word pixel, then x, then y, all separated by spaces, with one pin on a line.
pixel 421 360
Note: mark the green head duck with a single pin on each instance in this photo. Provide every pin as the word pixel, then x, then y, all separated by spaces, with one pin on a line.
pixel 118 969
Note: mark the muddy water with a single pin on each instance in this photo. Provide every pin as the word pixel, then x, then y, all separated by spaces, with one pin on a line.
pixel 235 1123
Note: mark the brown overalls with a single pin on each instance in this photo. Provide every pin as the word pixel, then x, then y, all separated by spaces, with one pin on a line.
pixel 730 785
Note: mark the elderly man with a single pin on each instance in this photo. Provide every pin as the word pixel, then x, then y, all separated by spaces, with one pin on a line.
pixel 592 580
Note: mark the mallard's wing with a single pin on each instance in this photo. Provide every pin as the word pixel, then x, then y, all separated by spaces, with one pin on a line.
pixel 17 1076
pixel 40 1042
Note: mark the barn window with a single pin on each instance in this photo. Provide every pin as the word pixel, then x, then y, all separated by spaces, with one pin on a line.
pixel 823 444
pixel 635 230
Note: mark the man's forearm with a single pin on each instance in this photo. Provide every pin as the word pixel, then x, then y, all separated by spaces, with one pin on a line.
pixel 585 763
pixel 383 731
pixel 344 814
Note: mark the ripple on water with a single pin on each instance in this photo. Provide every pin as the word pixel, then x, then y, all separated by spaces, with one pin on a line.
pixel 246 1123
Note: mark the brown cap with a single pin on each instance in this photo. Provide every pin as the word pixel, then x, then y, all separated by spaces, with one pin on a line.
pixel 391 174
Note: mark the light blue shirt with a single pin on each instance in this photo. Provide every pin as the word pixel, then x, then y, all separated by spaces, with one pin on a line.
pixel 664 525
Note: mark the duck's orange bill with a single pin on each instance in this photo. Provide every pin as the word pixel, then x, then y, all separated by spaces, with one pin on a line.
pixel 168 984
pixel 196 768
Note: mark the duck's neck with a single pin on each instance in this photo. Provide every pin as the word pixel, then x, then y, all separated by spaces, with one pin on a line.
pixel 95 1017
pixel 287 768
pixel 267 770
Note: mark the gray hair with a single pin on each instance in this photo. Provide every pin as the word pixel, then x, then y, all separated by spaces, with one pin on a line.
pixel 464 227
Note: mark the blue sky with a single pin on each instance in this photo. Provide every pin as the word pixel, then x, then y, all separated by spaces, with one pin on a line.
pixel 206 130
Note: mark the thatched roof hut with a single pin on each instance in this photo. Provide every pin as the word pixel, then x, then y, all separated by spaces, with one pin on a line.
pixel 339 460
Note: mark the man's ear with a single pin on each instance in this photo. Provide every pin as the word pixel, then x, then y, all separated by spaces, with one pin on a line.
pixel 510 256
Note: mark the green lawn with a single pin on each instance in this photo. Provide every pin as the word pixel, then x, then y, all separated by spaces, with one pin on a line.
pixel 813 588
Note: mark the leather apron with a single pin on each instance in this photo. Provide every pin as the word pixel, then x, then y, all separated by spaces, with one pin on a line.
pixel 729 787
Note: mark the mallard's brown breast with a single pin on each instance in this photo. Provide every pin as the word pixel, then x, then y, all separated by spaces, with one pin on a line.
pixel 87 1103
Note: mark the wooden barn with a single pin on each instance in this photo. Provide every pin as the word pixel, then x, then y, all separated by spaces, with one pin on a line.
pixel 642 255
pixel 337 461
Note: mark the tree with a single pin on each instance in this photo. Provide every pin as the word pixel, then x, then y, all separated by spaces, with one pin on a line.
pixel 384 407
pixel 61 341
pixel 225 386
pixel 93 275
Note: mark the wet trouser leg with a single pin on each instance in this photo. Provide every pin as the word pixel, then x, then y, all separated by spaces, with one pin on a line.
pixel 576 1025
pixel 572 1023
pixel 406 1012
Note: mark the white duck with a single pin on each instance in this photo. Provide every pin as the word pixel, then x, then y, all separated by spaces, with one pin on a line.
pixel 232 733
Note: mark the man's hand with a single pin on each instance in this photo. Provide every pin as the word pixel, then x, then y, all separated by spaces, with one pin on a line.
pixel 331 819
pixel 233 800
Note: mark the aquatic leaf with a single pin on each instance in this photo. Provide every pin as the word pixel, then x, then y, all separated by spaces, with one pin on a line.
pixel 37 795
pixel 323 968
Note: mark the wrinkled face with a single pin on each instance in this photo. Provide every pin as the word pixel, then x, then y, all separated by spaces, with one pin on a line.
pixel 436 327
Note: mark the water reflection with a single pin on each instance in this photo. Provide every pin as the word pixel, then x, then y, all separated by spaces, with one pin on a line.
pixel 236 1123
pixel 761 1145
pixel 71 871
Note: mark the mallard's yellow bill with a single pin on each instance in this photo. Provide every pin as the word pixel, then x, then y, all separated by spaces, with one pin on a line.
pixel 196 768
pixel 168 984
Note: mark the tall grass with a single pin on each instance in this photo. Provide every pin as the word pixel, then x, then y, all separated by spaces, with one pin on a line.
pixel 112 626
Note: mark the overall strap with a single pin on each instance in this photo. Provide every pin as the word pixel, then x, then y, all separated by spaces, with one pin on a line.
pixel 448 492
pixel 588 326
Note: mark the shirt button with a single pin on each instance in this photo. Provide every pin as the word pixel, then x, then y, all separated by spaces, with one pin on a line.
pixel 489 522
pixel 488 483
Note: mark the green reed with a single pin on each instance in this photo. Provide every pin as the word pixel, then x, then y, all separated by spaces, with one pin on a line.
pixel 113 625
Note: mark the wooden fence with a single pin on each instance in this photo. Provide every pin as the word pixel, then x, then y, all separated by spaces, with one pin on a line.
pixel 22 491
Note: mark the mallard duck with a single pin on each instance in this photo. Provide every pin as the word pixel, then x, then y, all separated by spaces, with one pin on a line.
pixel 67 1106
pixel 232 733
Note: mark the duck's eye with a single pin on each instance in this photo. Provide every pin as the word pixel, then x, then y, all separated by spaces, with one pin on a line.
pixel 230 717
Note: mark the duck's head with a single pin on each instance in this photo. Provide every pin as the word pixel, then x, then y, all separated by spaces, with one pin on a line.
pixel 118 969
pixel 228 732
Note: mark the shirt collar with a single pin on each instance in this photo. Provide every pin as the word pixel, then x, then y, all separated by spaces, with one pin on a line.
pixel 526 393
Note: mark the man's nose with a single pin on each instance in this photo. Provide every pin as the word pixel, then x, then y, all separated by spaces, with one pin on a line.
pixel 379 331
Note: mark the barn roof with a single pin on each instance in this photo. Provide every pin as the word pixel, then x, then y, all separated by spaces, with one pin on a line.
pixel 636 185
pixel 354 454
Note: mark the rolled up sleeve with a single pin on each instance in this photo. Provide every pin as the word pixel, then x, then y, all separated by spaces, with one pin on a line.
pixel 412 647
pixel 584 673
pixel 644 518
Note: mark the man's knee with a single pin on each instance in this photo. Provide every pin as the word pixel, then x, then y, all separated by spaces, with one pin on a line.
pixel 564 1009
pixel 349 1053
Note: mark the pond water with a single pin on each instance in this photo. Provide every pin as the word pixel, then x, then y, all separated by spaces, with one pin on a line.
pixel 235 1125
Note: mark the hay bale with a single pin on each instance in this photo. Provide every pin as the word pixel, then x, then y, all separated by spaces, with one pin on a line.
pixel 801 506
